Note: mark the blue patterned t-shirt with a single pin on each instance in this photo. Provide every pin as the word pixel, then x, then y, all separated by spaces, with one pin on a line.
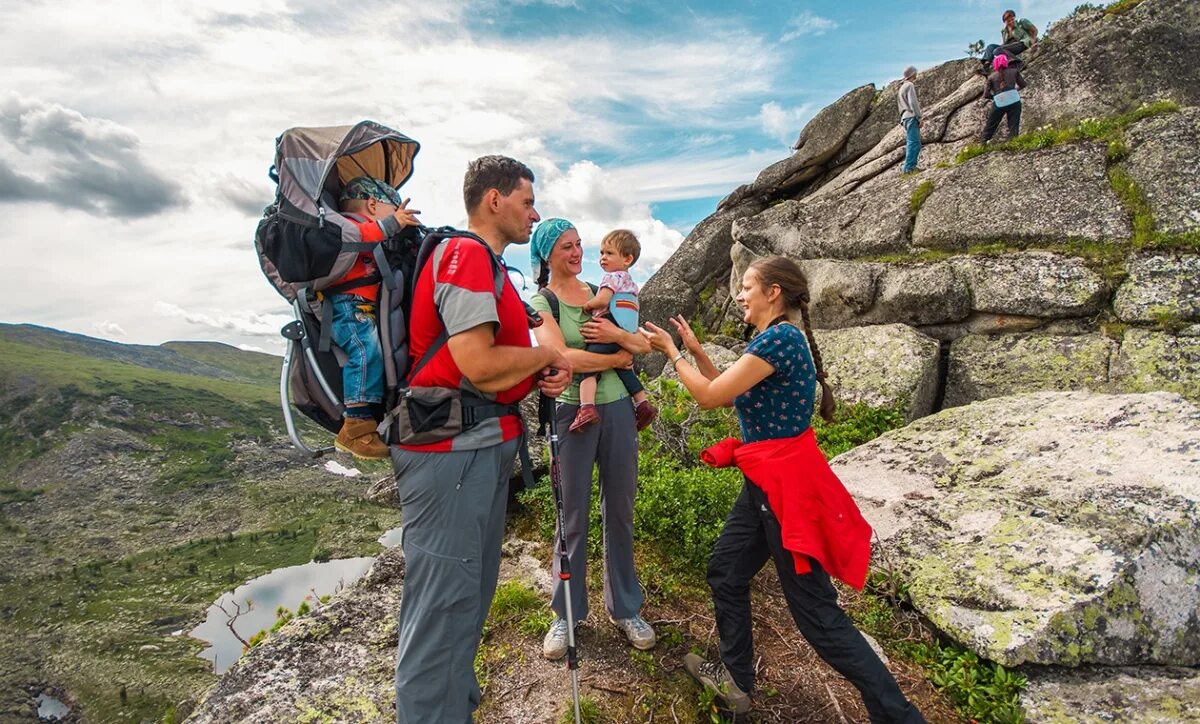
pixel 782 404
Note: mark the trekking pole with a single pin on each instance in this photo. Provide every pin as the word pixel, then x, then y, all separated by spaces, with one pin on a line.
pixel 548 420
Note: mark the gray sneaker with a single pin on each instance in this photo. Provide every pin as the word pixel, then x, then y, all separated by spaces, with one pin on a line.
pixel 639 633
pixel 554 646
pixel 715 677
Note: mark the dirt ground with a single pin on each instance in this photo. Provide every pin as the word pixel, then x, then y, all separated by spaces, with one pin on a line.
pixel 623 685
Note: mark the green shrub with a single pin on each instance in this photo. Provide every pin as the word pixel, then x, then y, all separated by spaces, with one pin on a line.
pixel 981 690
pixel 1120 7
pixel 854 425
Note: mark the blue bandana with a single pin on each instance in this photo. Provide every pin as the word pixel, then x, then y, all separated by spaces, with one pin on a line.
pixel 543 240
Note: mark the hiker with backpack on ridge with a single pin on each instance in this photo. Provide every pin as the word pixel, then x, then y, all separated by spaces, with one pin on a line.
pixel 1003 88
pixel 470 332
pixel 379 213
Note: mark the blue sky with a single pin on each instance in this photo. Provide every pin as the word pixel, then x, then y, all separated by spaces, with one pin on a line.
pixel 134 137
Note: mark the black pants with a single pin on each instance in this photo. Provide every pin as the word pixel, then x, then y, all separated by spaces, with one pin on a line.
pixel 1013 112
pixel 751 537
pixel 629 378
pixel 1012 50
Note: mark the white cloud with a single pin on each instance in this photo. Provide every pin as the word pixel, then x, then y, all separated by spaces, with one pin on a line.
pixel 199 92
pixel 806 23
pixel 251 348
pixel 54 154
pixel 109 329
pixel 596 203
pixel 781 123
pixel 247 323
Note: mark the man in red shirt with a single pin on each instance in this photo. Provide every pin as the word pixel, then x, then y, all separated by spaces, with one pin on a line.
pixel 453 492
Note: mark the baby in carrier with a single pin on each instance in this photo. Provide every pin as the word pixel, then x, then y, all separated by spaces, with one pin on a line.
pixel 617 301
pixel 379 212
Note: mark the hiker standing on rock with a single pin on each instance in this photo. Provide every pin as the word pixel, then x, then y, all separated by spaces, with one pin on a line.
pixel 910 118
pixel 1003 88
pixel 556 256
pixel 792 510
pixel 452 493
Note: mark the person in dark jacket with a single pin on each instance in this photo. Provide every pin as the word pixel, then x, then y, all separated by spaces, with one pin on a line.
pixel 1003 88
pixel 773 387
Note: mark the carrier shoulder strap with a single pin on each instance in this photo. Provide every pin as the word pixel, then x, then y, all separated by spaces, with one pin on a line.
pixel 552 299
pixel 428 245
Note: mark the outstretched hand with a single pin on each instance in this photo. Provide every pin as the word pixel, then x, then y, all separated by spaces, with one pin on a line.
pixel 686 335
pixel 659 338
pixel 406 216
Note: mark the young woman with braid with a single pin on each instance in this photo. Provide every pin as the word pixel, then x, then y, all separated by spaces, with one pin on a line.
pixel 791 510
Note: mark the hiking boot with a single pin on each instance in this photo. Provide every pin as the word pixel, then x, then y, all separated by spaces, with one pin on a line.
pixel 639 633
pixel 585 418
pixel 554 646
pixel 715 677
pixel 644 413
pixel 359 438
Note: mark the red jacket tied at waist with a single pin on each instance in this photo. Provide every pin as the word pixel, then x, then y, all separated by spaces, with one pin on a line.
pixel 818 517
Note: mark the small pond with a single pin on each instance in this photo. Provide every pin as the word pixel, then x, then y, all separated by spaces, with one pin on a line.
pixel 51 709
pixel 281 587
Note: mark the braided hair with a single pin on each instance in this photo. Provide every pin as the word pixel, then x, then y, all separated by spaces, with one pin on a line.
pixel 781 271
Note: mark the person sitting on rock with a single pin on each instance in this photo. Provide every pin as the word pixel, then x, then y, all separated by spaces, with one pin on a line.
pixel 1003 89
pixel 1016 37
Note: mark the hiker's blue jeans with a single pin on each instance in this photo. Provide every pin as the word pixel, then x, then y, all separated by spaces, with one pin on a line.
pixel 355 332
pixel 912 149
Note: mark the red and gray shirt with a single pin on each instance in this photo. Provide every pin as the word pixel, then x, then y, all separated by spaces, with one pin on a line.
pixel 459 282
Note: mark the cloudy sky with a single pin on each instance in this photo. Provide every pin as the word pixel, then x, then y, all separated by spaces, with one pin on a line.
pixel 135 136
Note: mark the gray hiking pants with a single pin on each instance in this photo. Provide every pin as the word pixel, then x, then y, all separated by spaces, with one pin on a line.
pixel 610 445
pixel 453 515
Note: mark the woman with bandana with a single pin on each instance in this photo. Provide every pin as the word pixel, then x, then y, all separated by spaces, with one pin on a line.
pixel 556 256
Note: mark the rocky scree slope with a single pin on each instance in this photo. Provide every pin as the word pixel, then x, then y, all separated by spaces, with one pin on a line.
pixel 1069 260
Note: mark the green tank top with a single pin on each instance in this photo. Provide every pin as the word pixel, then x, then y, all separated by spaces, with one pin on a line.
pixel 608 387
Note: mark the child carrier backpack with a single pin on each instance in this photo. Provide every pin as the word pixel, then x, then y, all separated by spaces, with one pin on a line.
pixel 305 246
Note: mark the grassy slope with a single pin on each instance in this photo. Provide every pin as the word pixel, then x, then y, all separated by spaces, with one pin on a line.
pixel 130 498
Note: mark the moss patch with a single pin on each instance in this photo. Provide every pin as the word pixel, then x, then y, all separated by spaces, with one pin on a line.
pixel 1106 129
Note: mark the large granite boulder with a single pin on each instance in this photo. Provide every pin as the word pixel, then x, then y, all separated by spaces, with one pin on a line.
pixel 826 133
pixel 1150 360
pixel 1033 283
pixel 832 228
pixel 1160 286
pixel 1097 64
pixel 1097 695
pixel 982 367
pixel 701 263
pixel 885 365
pixel 1164 160
pixel 1049 196
pixel 1049 528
